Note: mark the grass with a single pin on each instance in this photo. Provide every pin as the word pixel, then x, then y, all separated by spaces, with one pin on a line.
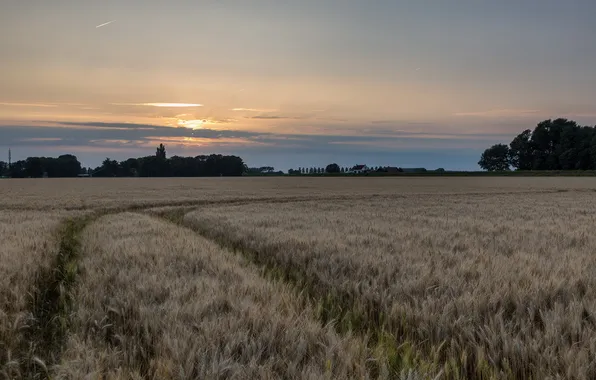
pixel 439 278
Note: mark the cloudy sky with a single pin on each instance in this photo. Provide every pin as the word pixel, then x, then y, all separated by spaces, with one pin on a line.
pixel 291 83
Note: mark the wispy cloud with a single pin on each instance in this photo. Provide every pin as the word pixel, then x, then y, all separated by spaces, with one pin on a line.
pixel 45 105
pixel 41 139
pixel 508 112
pixel 276 117
pixel 164 105
pixel 84 132
pixel 252 110
pixel 128 139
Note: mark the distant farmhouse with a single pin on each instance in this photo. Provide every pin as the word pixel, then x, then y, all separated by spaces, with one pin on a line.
pixel 357 169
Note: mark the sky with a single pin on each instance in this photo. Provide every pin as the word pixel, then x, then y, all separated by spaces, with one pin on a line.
pixel 418 83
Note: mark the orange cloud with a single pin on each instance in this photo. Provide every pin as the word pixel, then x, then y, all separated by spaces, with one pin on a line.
pixel 511 112
pixel 201 141
pixel 163 105
pixel 42 139
pixel 28 105
pixel 252 110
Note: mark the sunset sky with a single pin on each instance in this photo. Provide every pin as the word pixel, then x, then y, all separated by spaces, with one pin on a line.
pixel 291 83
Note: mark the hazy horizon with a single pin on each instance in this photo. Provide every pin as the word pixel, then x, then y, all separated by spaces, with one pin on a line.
pixel 287 83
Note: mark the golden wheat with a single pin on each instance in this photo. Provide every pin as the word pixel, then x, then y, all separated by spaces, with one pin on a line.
pixel 94 193
pixel 504 284
pixel 460 277
pixel 28 248
pixel 157 301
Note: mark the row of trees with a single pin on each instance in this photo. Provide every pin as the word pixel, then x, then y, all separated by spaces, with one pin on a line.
pixel 263 170
pixel 333 168
pixel 151 166
pixel 558 144
pixel 176 166
pixel 66 165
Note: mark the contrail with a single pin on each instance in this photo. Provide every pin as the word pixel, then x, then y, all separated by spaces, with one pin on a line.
pixel 105 23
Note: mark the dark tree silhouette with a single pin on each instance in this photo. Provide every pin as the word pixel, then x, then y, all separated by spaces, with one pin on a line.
pixel 332 168
pixel 520 151
pixel 161 152
pixel 495 158
pixel 558 144
pixel 3 169
pixel 66 165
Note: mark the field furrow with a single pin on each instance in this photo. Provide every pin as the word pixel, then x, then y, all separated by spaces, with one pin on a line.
pixel 31 243
pixel 155 300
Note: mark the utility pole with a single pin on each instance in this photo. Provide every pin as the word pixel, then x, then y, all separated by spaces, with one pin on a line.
pixel 9 158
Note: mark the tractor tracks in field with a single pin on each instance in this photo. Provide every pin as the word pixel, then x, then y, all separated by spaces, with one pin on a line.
pixel 331 306
pixel 51 302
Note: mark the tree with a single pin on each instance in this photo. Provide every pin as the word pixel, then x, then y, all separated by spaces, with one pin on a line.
pixel 520 151
pixel 17 169
pixel 129 168
pixel 67 166
pixel 34 167
pixel 558 144
pixel 332 168
pixel 108 168
pixel 161 152
pixel 495 158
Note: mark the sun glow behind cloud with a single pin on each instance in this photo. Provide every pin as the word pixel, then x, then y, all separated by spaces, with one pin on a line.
pixel 193 124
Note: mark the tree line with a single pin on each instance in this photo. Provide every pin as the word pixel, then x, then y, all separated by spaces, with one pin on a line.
pixel 157 165
pixel 65 165
pixel 559 144
pixel 335 168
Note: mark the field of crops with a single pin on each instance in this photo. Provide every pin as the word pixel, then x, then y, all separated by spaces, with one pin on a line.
pixel 298 278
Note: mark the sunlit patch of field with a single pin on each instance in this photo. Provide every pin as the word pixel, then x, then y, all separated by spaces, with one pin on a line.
pixel 438 278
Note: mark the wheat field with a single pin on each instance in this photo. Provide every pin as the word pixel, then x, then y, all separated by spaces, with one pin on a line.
pixel 298 278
